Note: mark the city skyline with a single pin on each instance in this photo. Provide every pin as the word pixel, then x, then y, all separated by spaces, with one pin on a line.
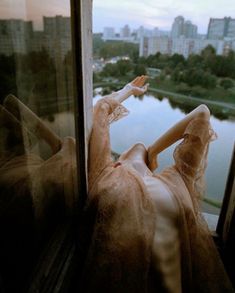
pixel 134 12
pixel 116 30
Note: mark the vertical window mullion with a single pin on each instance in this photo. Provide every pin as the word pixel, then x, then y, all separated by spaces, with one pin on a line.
pixel 81 24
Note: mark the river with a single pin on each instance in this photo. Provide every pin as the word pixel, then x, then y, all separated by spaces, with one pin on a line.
pixel 150 117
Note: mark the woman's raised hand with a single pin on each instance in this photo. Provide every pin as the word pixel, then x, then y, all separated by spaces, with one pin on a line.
pixel 138 86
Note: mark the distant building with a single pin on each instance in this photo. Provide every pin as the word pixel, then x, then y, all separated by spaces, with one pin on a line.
pixel 144 47
pixel 156 32
pixel 143 32
pixel 220 28
pixel 108 33
pixel 183 46
pixel 185 41
pixel 189 30
pixel 177 29
pixel 125 35
pixel 180 27
pixel 125 32
pixel 231 29
pixel 162 45
pixel 140 32
pixel 199 45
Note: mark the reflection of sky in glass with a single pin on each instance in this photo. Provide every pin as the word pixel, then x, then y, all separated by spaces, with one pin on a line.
pixel 150 118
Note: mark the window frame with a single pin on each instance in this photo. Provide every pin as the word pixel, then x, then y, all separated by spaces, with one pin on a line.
pixel 55 269
pixel 225 228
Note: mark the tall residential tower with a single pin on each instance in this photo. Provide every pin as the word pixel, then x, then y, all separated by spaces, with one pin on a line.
pixel 220 28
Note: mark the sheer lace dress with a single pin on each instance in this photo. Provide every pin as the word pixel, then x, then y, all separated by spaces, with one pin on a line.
pixel 119 257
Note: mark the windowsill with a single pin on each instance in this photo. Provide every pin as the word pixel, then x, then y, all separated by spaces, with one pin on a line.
pixel 211 220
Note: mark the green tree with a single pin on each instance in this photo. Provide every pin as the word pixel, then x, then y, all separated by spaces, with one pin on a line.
pixel 208 52
pixel 111 49
pixel 199 77
pixel 194 61
pixel 226 83
pixel 139 69
pixel 124 66
pixel 176 59
pixel 110 70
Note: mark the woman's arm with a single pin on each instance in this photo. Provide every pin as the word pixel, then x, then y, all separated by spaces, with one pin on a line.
pixel 174 134
pixel 99 145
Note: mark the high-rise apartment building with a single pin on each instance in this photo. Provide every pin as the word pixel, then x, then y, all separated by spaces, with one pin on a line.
pixel 177 27
pixel 144 47
pixel 231 29
pixel 189 30
pixel 180 27
pixel 159 44
pixel 220 28
pixel 183 46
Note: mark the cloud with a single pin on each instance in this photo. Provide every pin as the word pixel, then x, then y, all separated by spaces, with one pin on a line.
pixel 152 13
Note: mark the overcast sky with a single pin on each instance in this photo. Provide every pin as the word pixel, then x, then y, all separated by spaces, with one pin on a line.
pixel 117 13
pixel 158 13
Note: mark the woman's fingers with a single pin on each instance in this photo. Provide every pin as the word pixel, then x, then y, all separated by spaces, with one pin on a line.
pixel 139 80
pixel 135 80
pixel 143 79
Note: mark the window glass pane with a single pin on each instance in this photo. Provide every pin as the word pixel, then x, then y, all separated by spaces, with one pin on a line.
pixel 37 161
pixel 190 60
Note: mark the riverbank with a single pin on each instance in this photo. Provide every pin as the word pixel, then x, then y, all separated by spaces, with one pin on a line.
pixel 226 108
pixel 219 108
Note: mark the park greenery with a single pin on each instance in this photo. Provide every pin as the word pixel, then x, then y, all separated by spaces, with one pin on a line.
pixel 207 75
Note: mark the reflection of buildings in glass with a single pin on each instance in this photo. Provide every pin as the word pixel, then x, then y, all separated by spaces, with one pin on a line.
pixel 18 36
pixel 57 35
pixel 15 36
pixel 220 28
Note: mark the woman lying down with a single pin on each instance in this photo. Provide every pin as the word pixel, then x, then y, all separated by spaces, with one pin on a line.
pixel 148 234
